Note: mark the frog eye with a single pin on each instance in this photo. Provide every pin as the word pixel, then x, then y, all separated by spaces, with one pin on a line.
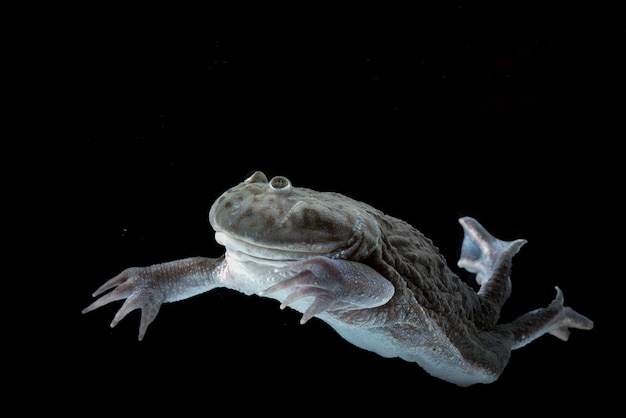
pixel 280 184
pixel 255 177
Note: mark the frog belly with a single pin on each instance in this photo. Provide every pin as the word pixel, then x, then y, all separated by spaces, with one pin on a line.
pixel 438 358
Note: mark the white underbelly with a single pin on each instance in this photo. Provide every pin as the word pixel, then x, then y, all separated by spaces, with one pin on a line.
pixel 441 360
pixel 250 276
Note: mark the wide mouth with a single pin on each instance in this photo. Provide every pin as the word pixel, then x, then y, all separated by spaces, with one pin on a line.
pixel 286 252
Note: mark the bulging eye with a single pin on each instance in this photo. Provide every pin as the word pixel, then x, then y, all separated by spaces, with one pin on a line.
pixel 280 184
pixel 255 177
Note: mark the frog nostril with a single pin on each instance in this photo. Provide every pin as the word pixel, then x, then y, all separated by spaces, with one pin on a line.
pixel 280 184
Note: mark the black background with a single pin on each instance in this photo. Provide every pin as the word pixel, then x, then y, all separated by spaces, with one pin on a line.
pixel 427 112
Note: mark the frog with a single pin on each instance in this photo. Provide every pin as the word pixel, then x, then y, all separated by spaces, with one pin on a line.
pixel 376 280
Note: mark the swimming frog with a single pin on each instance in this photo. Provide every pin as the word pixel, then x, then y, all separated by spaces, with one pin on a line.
pixel 376 280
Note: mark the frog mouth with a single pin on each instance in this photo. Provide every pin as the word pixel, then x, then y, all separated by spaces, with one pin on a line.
pixel 287 252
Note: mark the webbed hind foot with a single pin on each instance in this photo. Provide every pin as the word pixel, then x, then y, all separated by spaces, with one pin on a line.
pixel 490 258
pixel 555 319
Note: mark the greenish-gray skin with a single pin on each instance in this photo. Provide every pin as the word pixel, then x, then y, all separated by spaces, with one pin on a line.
pixel 375 279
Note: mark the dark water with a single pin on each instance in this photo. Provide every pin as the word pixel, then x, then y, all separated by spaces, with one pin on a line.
pixel 428 113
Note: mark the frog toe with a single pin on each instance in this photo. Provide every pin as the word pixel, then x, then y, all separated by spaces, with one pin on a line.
pixel 484 254
pixel 567 319
pixel 555 319
pixel 305 285
pixel 334 284
pixel 322 302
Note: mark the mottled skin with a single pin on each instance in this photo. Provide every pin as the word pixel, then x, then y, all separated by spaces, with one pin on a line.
pixel 376 280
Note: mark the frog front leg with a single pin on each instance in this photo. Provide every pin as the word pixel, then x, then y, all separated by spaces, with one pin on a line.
pixel 334 284
pixel 147 288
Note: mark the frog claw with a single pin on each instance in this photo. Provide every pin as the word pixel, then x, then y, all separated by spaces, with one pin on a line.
pixel 334 284
pixel 134 285
pixel 300 293
pixel 322 303
pixel 305 286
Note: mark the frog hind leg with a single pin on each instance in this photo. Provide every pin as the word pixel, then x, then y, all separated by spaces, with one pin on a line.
pixel 490 258
pixel 555 319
